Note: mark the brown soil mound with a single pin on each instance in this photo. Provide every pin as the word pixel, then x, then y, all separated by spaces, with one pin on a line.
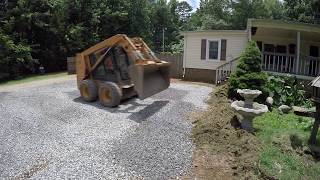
pixel 224 151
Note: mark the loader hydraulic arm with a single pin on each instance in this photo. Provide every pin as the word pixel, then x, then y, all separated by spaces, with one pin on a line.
pixel 136 48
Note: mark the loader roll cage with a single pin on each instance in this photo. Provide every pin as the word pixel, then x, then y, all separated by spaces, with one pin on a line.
pixel 114 60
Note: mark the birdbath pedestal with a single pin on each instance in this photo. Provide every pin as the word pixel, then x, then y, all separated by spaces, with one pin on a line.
pixel 248 108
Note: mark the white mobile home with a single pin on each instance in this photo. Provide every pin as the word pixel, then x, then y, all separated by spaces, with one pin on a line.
pixel 287 47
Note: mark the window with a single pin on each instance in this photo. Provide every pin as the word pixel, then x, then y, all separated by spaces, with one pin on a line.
pixel 292 48
pixel 213 50
pixel 281 49
pixel 314 51
pixel 269 48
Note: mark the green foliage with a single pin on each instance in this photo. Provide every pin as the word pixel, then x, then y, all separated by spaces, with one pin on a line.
pixel 248 74
pixel 244 9
pixel 55 29
pixel 177 48
pixel 165 19
pixel 275 9
pixel 225 14
pixel 214 14
pixel 210 22
pixel 14 57
pixel 286 90
pixel 35 23
pixel 184 10
pixel 301 11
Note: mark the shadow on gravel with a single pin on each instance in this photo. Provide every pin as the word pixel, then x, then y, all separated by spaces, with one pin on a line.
pixel 3 94
pixel 138 111
pixel 171 94
pixel 147 111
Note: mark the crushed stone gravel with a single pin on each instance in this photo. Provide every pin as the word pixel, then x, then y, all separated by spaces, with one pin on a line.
pixel 48 132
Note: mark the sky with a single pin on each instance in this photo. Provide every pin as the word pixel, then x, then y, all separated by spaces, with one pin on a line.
pixel 193 3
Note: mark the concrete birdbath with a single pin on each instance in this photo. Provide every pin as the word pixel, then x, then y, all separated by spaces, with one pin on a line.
pixel 249 109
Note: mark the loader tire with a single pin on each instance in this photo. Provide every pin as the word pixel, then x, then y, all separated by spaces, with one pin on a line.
pixel 110 94
pixel 88 90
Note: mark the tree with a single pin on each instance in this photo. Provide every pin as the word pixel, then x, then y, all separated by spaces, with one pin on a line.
pixel 316 10
pixel 275 9
pixel 215 14
pixel 51 30
pixel 300 11
pixel 195 22
pixel 184 10
pixel 14 57
pixel 248 74
pixel 31 22
pixel 245 9
pixel 219 9
pixel 82 24
pixel 165 19
pixel 139 20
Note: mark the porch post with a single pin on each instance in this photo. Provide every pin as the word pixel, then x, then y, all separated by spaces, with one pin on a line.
pixel 298 52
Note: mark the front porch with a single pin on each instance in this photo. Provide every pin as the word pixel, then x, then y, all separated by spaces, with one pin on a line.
pixel 287 47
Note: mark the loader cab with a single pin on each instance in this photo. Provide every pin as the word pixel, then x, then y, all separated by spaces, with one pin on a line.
pixel 114 66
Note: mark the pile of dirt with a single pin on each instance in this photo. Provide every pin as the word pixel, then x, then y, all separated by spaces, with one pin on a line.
pixel 223 150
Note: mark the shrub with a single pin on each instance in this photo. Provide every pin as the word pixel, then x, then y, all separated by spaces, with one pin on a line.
pixel 248 74
pixel 286 90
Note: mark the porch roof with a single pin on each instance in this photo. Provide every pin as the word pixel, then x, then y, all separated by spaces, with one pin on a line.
pixel 277 24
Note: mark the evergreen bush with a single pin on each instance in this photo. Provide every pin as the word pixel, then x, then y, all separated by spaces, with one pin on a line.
pixel 248 74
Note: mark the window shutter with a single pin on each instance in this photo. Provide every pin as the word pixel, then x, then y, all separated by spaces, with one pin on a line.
pixel 223 55
pixel 203 49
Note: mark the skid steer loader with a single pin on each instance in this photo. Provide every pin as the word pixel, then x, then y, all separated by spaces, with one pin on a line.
pixel 119 68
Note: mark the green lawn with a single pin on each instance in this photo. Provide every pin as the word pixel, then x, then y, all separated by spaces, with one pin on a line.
pixel 285 138
pixel 33 78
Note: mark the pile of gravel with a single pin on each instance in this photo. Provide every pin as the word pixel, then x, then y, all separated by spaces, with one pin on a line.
pixel 48 132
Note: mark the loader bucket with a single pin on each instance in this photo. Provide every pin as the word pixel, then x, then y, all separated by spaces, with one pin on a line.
pixel 150 79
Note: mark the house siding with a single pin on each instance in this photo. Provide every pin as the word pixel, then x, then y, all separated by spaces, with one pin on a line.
pixel 236 43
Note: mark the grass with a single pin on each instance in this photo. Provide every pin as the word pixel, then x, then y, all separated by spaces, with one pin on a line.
pixel 285 137
pixel 31 78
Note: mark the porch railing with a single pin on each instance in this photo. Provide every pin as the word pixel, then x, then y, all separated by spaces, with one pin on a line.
pixel 284 63
pixel 224 71
pixel 275 62
pixel 281 63
pixel 309 66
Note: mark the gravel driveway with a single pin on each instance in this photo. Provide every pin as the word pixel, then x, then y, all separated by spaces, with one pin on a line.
pixel 48 132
